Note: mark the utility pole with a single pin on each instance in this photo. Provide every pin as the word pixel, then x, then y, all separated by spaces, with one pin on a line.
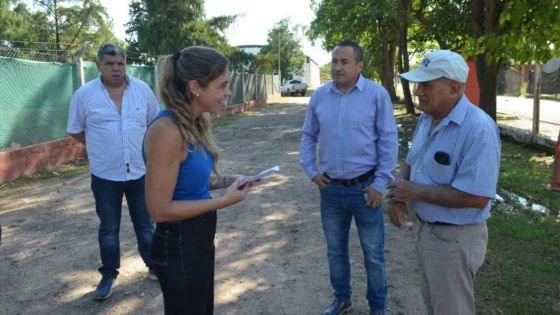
pixel 279 76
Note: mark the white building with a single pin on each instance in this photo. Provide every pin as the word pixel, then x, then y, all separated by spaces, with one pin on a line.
pixel 310 73
pixel 310 70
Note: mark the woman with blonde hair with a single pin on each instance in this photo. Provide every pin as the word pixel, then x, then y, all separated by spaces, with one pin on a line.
pixel 180 157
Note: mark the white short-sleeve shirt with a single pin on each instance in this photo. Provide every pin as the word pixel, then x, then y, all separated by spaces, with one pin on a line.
pixel 113 139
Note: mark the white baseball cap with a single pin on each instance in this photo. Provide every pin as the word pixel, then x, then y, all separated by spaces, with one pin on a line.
pixel 439 64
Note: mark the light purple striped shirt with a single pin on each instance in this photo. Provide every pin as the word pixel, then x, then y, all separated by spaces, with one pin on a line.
pixel 113 140
pixel 355 132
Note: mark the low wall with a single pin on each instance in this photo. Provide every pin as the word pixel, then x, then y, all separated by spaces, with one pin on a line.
pixel 38 157
pixel 44 156
pixel 526 137
pixel 237 108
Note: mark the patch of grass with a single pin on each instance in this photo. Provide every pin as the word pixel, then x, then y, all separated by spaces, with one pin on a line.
pixel 521 272
pixel 65 170
pixel 525 171
pixel 228 119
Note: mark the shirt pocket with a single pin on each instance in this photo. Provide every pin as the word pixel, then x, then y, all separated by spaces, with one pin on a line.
pixel 138 113
pixel 136 119
pixel 439 173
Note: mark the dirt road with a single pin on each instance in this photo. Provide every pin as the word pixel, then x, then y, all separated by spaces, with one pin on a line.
pixel 270 250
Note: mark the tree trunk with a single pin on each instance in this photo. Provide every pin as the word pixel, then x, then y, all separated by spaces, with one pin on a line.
pixel 387 65
pixel 485 21
pixel 487 75
pixel 56 31
pixel 390 64
pixel 403 57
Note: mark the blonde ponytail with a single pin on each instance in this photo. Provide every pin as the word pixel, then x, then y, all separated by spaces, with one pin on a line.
pixel 202 64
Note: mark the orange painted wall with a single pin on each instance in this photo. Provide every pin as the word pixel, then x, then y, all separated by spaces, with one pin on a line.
pixel 472 90
pixel 44 156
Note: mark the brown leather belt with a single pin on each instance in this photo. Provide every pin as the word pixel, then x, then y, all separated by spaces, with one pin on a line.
pixel 434 223
pixel 352 181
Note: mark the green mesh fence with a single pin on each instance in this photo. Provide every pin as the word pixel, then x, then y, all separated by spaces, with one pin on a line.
pixel 236 87
pixel 269 81
pixel 143 73
pixel 34 100
pixel 261 87
pixel 34 96
pixel 249 82
pixel 245 87
pixel 90 71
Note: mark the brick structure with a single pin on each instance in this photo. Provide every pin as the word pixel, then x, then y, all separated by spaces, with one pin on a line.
pixel 43 156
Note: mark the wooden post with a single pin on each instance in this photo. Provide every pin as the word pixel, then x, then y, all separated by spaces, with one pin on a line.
pixel 536 98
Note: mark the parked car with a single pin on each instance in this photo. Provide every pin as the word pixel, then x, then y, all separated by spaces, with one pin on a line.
pixel 293 87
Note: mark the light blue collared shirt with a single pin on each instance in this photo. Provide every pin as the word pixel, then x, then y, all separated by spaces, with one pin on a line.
pixel 471 140
pixel 355 132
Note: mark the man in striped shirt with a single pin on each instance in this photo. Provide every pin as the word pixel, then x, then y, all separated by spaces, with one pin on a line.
pixel 449 177
pixel 351 120
pixel 110 115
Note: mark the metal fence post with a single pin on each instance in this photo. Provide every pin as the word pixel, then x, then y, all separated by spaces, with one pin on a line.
pixel 243 86
pixel 80 64
pixel 80 71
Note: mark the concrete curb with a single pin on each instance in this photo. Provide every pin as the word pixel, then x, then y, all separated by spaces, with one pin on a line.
pixel 523 136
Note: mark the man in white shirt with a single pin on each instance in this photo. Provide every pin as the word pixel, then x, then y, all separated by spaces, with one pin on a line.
pixel 110 115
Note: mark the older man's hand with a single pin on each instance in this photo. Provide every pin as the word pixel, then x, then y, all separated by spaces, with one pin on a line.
pixel 401 191
pixel 398 212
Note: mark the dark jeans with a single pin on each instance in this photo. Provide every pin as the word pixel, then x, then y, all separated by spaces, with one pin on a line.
pixel 338 205
pixel 108 205
pixel 183 256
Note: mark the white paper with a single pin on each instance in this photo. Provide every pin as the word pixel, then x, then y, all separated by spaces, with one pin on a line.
pixel 261 175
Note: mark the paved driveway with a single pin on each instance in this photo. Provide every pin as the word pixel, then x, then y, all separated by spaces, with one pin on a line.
pixel 523 109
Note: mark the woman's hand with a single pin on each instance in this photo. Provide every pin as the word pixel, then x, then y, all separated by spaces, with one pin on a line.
pixel 234 193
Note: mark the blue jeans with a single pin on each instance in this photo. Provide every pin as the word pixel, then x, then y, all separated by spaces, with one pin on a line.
pixel 183 257
pixel 108 197
pixel 338 205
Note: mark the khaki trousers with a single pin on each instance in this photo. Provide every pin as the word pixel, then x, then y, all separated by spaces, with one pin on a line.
pixel 448 258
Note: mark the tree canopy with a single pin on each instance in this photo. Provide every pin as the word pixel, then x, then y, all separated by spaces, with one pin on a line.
pixel 55 26
pixel 163 27
pixel 372 24
pixel 282 44
pixel 490 31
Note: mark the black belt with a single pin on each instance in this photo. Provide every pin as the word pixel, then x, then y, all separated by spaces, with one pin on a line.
pixel 352 181
pixel 434 223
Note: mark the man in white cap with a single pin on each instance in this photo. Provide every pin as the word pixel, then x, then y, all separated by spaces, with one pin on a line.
pixel 449 178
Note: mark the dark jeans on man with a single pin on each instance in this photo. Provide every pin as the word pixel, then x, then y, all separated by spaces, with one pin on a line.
pixel 183 256
pixel 338 205
pixel 108 197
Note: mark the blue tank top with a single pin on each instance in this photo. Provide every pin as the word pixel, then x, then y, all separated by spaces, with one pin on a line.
pixel 194 172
